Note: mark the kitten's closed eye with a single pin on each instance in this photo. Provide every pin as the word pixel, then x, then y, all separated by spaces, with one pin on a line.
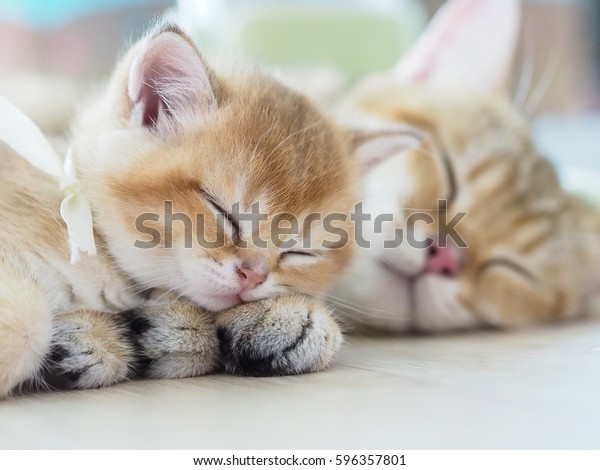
pixel 227 217
pixel 507 264
pixel 300 257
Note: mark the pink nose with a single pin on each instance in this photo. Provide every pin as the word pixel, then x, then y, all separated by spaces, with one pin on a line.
pixel 249 279
pixel 442 260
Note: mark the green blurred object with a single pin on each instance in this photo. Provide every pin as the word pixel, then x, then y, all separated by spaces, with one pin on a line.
pixel 354 37
pixel 354 42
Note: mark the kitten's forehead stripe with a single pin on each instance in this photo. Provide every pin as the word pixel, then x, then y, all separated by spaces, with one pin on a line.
pixel 452 187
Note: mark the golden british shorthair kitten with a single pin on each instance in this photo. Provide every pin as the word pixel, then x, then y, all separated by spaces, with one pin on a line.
pixel 507 246
pixel 170 136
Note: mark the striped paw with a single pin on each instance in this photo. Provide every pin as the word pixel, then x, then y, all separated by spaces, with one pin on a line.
pixel 282 336
pixel 90 349
pixel 172 340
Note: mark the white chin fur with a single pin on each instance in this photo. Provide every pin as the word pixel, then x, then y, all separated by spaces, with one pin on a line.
pixel 372 296
pixel 215 304
pixel 437 307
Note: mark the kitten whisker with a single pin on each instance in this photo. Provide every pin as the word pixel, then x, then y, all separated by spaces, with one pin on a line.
pixel 548 75
pixel 261 138
pixel 154 282
pixel 527 66
pixel 170 291
pixel 293 134
pixel 344 303
pixel 538 95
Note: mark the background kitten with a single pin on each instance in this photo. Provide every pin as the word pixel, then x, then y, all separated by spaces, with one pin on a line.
pixel 532 251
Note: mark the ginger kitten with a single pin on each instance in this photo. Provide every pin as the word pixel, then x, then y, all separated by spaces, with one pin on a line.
pixel 530 251
pixel 171 130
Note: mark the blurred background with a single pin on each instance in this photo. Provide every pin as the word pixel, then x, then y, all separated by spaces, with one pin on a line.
pixel 53 52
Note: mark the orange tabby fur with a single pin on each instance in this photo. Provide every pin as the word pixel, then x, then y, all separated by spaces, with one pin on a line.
pixel 170 128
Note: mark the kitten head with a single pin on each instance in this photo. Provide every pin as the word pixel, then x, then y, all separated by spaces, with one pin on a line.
pixel 174 156
pixel 526 251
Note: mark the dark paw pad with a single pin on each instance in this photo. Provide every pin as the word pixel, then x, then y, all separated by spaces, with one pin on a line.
pixel 58 353
pixel 89 350
pixel 287 335
pixel 239 358
pixel 135 326
pixel 63 368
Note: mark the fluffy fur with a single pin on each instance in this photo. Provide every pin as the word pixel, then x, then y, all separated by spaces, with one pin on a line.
pixel 532 249
pixel 170 128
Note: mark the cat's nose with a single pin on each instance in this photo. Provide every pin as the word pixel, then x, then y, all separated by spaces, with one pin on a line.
pixel 442 260
pixel 249 279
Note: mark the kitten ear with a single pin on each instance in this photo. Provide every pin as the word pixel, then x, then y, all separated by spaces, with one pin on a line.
pixel 376 146
pixel 168 79
pixel 469 43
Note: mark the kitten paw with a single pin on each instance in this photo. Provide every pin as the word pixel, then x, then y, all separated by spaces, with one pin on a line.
pixel 90 349
pixel 172 340
pixel 282 336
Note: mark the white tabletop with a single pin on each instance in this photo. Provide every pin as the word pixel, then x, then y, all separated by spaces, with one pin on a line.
pixel 529 389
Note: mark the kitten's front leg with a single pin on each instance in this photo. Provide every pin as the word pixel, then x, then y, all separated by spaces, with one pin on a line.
pixel 90 349
pixel 281 336
pixel 173 340
pixel 95 349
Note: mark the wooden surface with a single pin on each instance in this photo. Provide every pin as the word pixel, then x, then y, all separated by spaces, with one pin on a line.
pixel 531 389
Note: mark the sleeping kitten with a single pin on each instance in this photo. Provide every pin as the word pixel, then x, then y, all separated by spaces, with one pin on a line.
pixel 169 129
pixel 530 251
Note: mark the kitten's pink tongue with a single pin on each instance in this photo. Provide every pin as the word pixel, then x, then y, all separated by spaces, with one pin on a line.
pixel 442 260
